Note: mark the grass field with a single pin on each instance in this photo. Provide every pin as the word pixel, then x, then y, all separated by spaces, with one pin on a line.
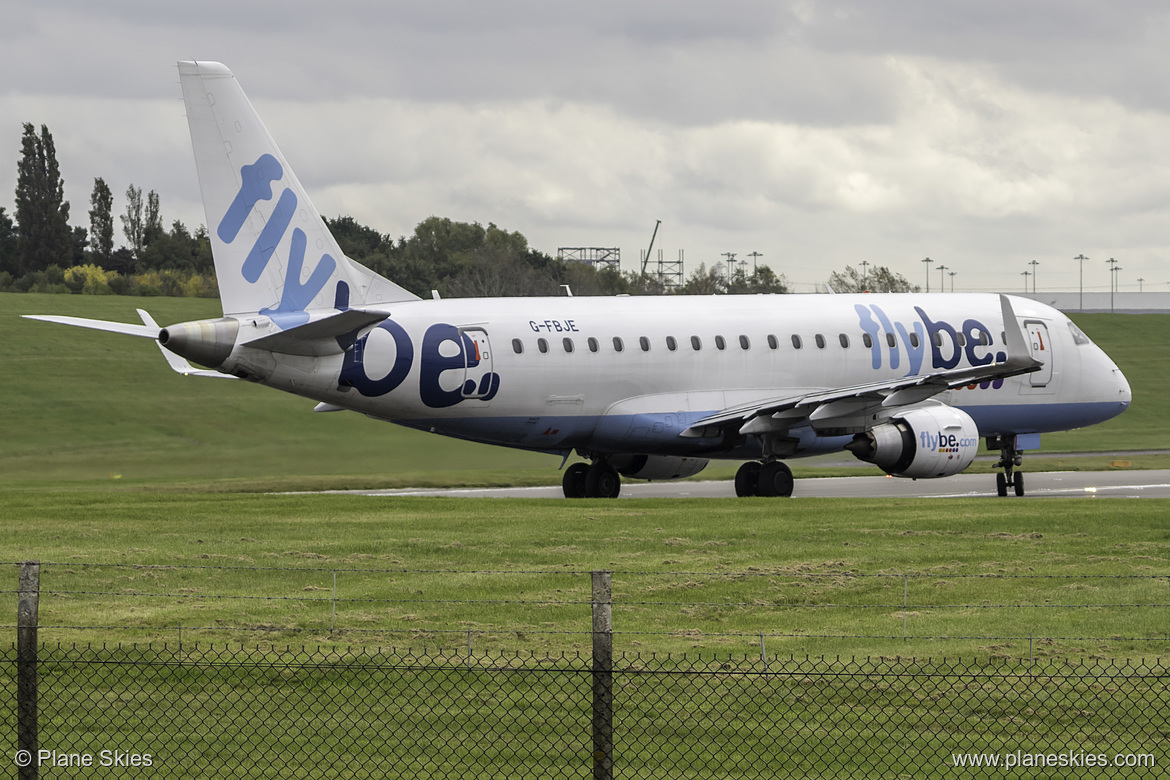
pixel 142 491
pixel 819 576
pixel 110 458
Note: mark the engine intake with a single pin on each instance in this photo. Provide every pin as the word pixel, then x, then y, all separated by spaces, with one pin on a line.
pixel 935 441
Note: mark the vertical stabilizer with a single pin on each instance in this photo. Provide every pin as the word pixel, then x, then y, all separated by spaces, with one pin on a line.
pixel 273 253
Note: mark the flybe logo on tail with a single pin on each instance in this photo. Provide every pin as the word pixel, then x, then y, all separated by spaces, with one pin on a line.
pixel 295 296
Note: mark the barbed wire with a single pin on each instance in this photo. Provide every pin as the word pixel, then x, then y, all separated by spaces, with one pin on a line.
pixel 616 572
pixel 677 634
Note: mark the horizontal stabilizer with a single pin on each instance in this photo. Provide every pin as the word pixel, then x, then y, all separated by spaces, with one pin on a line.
pixel 142 331
pixel 318 337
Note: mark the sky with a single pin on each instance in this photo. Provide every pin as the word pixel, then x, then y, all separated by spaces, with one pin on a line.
pixel 982 135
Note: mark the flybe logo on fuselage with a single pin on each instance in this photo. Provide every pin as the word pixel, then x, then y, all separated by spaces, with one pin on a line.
pixel 255 186
pixel 896 341
pixel 455 365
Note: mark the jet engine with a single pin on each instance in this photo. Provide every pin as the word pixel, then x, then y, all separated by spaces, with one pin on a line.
pixel 935 441
pixel 655 467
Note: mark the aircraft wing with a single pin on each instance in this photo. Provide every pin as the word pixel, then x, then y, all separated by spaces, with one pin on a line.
pixel 826 405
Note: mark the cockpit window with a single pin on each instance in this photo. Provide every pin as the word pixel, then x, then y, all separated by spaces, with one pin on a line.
pixel 1078 335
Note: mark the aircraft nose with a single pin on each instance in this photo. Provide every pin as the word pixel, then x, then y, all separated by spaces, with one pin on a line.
pixel 1124 395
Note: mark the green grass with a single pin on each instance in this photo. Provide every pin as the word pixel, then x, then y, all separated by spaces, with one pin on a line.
pixel 95 408
pixel 985 578
pixel 127 479
pixel 91 408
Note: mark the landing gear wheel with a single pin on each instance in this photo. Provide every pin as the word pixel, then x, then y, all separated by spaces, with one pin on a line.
pixel 602 481
pixel 573 483
pixel 1000 484
pixel 1018 481
pixel 775 480
pixel 747 479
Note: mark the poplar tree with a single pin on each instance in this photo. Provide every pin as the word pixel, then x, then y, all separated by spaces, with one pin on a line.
pixel 101 223
pixel 132 225
pixel 42 213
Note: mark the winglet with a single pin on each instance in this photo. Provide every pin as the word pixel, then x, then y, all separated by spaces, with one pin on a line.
pixel 1017 345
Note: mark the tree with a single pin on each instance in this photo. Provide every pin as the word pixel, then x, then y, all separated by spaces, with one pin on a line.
pixel 132 225
pixel 704 281
pixel 880 279
pixel 9 252
pixel 101 223
pixel 152 221
pixel 42 213
pixel 762 279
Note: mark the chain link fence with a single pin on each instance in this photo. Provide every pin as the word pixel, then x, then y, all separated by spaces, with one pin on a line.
pixel 194 709
pixel 320 712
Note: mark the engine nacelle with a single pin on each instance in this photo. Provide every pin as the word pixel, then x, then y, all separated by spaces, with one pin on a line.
pixel 935 441
pixel 657 466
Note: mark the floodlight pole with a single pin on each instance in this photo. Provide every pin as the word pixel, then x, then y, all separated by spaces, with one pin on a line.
pixel 1034 263
pixel 1081 258
pixel 928 261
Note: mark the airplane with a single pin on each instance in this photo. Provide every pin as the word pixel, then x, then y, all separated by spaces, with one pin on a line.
pixel 646 387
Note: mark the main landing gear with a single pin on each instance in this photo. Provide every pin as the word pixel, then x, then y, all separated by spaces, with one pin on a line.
pixel 1009 458
pixel 771 478
pixel 591 480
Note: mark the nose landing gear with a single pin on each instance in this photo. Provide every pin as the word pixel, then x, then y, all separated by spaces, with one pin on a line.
pixel 1009 458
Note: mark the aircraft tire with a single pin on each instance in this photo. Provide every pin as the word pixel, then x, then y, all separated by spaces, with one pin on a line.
pixel 775 480
pixel 1000 484
pixel 602 481
pixel 747 479
pixel 1019 483
pixel 573 482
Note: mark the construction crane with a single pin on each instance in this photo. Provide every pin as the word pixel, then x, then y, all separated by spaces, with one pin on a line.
pixel 646 258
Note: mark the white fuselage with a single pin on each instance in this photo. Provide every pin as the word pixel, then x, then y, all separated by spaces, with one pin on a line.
pixel 556 374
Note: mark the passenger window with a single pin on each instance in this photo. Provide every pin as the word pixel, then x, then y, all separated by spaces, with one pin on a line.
pixel 796 344
pixel 773 342
pixel 744 342
pixel 820 341
pixel 593 346
pixel 671 344
pixel 914 340
pixel 984 338
pixel 696 344
pixel 645 343
pixel 568 343
pixel 867 340
pixel 844 341
pixel 720 343
pixel 962 339
pixel 890 342
pixel 542 345
pixel 937 339
pixel 618 345
pixel 517 346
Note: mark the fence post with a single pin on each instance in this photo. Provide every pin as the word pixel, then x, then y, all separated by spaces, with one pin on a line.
pixel 27 743
pixel 602 675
